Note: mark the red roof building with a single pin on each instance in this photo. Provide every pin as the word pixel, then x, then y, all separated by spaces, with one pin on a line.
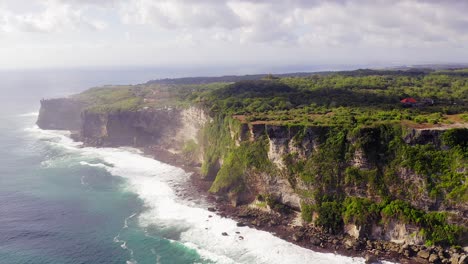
pixel 408 100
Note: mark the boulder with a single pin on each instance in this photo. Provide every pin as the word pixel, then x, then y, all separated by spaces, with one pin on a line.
pixel 454 258
pixel 433 258
pixel 407 253
pixel 315 241
pixel 423 254
pixel 348 243
pixel 463 259
pixel 297 236
pixel 371 259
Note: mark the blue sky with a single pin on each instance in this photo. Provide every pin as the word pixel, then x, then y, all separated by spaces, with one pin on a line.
pixel 83 33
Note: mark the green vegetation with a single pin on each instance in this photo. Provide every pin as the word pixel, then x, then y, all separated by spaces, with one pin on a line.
pixel 343 100
pixel 190 150
pixel 106 99
pixel 306 212
pixel 364 212
pixel 330 216
pixel 360 211
pixel 252 155
pixel 144 96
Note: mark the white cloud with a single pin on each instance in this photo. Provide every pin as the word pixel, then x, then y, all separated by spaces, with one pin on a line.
pixel 336 22
pixel 49 16
pixel 180 14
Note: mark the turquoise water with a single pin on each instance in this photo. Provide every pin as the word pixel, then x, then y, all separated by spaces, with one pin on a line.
pixel 61 203
pixel 56 209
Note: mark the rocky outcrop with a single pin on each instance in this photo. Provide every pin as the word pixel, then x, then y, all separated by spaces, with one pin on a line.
pixel 60 114
pixel 282 141
pixel 423 136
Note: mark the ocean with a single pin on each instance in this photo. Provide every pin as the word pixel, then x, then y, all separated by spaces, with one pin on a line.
pixel 62 203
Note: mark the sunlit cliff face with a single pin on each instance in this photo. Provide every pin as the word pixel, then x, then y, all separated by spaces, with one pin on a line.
pixel 90 33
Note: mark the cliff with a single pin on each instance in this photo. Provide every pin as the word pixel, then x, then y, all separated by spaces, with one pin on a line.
pixel 60 114
pixel 171 129
pixel 381 182
pixel 300 166
pixel 377 182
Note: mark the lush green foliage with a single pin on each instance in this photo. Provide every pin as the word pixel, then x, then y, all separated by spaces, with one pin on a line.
pixel 109 99
pixel 456 138
pixel 236 159
pixel 360 211
pixel 344 99
pixel 306 212
pixel 247 155
pixel 216 139
pixel 330 216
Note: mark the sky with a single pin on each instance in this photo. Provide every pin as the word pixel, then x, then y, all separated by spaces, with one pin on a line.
pixel 175 33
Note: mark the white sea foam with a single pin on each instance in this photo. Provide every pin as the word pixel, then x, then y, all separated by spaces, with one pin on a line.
pixel 126 220
pixel 55 137
pixel 151 180
pixel 123 245
pixel 99 165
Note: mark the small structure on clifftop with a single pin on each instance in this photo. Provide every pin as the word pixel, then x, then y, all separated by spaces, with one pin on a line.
pixel 408 102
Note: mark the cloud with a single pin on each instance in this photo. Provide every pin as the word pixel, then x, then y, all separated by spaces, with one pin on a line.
pixel 399 22
pixel 240 30
pixel 180 14
pixel 47 16
pixel 303 22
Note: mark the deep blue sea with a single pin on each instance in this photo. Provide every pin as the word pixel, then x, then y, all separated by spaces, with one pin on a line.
pixel 61 203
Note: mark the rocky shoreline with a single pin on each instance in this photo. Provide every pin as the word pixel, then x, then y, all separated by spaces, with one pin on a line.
pixel 280 224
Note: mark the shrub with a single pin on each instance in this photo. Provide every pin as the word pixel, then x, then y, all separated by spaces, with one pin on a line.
pixel 306 212
pixel 330 217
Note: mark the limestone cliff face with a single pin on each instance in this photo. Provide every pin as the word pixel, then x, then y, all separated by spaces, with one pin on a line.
pixel 168 128
pixel 128 128
pixel 60 114
pixel 283 141
pixel 300 144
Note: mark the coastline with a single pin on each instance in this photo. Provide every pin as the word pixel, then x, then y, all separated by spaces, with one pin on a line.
pixel 279 224
pixel 174 136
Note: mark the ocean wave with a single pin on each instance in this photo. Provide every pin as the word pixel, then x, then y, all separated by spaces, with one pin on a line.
pixel 60 138
pixel 151 180
pixel 128 218
pixel 123 245
pixel 99 165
